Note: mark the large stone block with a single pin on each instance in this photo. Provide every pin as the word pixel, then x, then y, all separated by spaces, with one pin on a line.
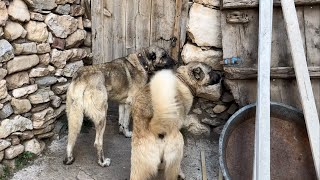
pixel 21 63
pixel 24 90
pixel 13 151
pixel 71 68
pixel 41 96
pixel 25 48
pixel 39 72
pixel 13 31
pixel 6 51
pixel 17 80
pixel 18 123
pixel 76 38
pixel 46 81
pixel 18 10
pixel 61 26
pixel 43 48
pixel 20 105
pixel 3 13
pixel 41 4
pixel 40 118
pixel 37 31
pixel 5 112
pixel 34 146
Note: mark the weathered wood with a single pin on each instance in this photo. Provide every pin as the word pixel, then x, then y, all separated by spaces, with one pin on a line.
pixel 157 13
pixel 303 79
pixel 131 11
pixel 277 72
pixel 184 21
pixel 107 32
pixel 261 169
pixel 254 3
pixel 119 27
pixel 97 28
pixel 176 30
pixel 143 30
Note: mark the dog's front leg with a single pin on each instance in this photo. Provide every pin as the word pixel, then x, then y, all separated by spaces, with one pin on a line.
pixel 121 116
pixel 126 120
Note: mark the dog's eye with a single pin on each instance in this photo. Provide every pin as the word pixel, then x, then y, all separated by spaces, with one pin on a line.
pixel 146 67
pixel 198 73
pixel 152 56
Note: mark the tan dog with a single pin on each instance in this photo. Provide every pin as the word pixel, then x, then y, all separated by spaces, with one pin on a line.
pixel 158 112
pixel 93 86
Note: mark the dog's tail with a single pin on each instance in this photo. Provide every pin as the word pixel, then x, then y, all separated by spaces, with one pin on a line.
pixel 165 108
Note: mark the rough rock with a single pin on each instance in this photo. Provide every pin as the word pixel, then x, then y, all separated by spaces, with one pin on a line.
pixel 232 109
pixel 18 10
pixel 48 128
pixel 41 4
pixel 42 117
pixel 5 112
pixel 60 88
pixel 214 3
pixel 34 146
pixel 76 10
pixel 46 81
pixel 1 166
pixel 59 72
pixel 40 107
pixel 1 31
pixel 61 26
pixel 3 13
pixel 14 139
pixel 39 72
pixel 65 1
pixel 227 97
pixel 6 99
pixel 25 135
pixel 41 96
pixel 59 111
pixel 213 121
pixel 78 54
pixel 87 23
pixel 13 151
pixel 3 89
pixel 219 108
pixel 37 31
pixel 20 105
pixel 4 144
pixel 45 136
pixel 204 26
pixel 13 31
pixel 71 68
pixel 51 69
pixel 62 79
pixel 3 73
pixel 6 51
pixel 63 9
pixel 24 90
pixel 43 48
pixel 58 43
pixel 193 126
pixel 80 22
pixel 17 80
pixel 25 48
pixel 59 58
pixel 192 53
pixel 36 16
pixel 76 38
pixel 44 59
pixel 88 40
pixel 55 101
pixel 211 92
pixel 20 63
pixel 18 123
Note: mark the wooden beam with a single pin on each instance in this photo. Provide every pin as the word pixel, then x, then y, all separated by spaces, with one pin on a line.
pixel 176 30
pixel 232 4
pixel 261 169
pixel 276 73
pixel 303 79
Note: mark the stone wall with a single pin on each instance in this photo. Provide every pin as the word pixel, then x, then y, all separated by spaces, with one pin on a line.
pixel 42 43
pixel 204 44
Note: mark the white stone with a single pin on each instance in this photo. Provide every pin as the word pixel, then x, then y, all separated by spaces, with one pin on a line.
pixel 71 68
pixel 44 59
pixel 13 31
pixel 219 108
pixel 8 98
pixel 20 63
pixel 211 92
pixel 3 13
pixel 39 72
pixel 193 126
pixel 214 3
pixel 3 73
pixel 60 88
pixel 41 96
pixel 3 89
pixel 61 26
pixel 24 90
pixel 43 48
pixel 59 72
pixel 41 4
pixel 25 48
pixel 18 10
pixel 46 81
pixel 37 31
pixel 204 26
pixel 13 151
pixel 4 144
pixel 192 53
pixel 18 123
pixel 76 38
pixel 5 112
pixel 17 80
pixel 34 146
pixel 62 79
pixel 78 54
pixel 40 118
pixel 59 58
pixel 36 16
pixel 20 105
pixel 6 51
pixel 55 101
pixel 63 9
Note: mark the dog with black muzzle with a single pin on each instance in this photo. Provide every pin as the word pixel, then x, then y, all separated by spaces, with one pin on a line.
pixel 158 113
pixel 93 86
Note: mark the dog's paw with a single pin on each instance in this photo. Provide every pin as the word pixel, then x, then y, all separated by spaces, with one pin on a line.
pixel 120 128
pixel 181 176
pixel 68 160
pixel 127 133
pixel 106 162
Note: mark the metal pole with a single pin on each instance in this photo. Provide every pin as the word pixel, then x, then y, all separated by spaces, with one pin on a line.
pixel 262 129
pixel 303 79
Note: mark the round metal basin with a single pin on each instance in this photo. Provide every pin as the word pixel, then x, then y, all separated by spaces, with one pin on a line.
pixel 291 156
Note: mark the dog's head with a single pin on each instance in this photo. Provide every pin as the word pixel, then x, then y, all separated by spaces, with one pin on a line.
pixel 198 76
pixel 155 58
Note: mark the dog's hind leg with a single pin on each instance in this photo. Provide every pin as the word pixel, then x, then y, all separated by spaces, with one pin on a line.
pixel 173 155
pixel 126 120
pixel 98 143
pixel 75 119
pixel 121 116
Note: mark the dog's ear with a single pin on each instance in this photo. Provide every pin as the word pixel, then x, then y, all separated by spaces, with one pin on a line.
pixel 151 56
pixel 198 73
pixel 215 77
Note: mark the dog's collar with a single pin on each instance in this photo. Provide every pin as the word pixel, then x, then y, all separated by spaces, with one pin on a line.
pixel 191 89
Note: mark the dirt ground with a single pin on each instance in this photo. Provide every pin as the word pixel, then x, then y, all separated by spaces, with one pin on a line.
pixel 49 165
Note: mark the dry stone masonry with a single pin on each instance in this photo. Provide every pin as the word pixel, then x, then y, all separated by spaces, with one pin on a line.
pixel 204 44
pixel 42 44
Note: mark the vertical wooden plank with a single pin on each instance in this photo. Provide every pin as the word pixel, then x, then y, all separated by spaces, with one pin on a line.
pixel 107 38
pixel 131 12
pixel 157 14
pixel 167 23
pixel 97 28
pixel 143 24
pixel 303 79
pixel 176 30
pixel 312 26
pixel 118 25
pixel 184 20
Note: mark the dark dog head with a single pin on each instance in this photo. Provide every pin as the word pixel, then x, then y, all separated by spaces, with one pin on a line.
pixel 199 76
pixel 155 58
